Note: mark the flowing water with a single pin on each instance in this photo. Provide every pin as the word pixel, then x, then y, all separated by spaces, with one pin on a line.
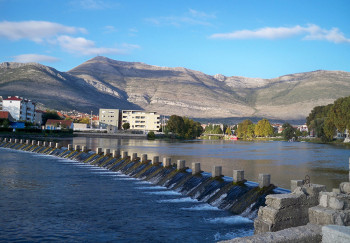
pixel 45 198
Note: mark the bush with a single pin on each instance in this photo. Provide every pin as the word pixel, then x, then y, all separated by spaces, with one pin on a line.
pixel 151 136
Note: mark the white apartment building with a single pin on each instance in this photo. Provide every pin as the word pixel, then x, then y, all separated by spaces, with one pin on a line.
pixel 141 120
pixel 19 108
pixel 109 117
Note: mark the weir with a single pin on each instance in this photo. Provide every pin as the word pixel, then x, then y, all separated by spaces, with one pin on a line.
pixel 233 194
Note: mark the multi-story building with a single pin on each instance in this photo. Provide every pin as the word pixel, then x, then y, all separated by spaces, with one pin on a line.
pixel 20 109
pixel 141 120
pixel 0 103
pixel 109 117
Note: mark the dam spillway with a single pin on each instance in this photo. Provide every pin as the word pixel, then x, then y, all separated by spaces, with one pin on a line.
pixel 235 194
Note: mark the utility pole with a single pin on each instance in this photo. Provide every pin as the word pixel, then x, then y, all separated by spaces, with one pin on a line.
pixel 91 121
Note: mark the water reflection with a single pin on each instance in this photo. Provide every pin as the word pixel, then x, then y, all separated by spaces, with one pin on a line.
pixel 325 164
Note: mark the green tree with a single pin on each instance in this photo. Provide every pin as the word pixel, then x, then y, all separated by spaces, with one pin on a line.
pixel 126 126
pixel 176 125
pixel 50 114
pixel 228 131
pixel 242 128
pixel 150 135
pixel 288 131
pixel 4 123
pixel 339 114
pixel 329 130
pixel 263 128
pixel 184 127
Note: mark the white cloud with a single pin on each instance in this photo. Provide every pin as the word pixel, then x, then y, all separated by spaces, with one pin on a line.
pixel 34 58
pixel 192 17
pixel 34 30
pixel 82 46
pixel 310 32
pixel 110 29
pixel 94 4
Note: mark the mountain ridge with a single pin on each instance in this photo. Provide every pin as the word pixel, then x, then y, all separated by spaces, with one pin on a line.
pixel 106 83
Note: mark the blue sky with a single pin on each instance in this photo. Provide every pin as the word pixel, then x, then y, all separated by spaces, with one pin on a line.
pixel 263 39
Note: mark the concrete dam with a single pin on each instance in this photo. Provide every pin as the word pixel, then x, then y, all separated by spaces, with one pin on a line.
pixel 307 214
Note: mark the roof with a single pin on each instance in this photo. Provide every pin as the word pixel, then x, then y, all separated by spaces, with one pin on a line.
pixel 4 114
pixel 13 98
pixel 59 122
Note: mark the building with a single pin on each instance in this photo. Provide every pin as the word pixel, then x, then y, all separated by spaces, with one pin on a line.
pixel 141 120
pixel 38 117
pixel 52 124
pixel 0 103
pixel 81 127
pixel 109 117
pixel 20 109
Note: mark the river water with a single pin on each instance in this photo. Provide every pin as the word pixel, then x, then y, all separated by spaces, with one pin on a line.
pixel 44 198
pixel 324 164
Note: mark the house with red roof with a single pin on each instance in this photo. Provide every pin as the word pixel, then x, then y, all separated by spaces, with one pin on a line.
pixel 6 115
pixel 52 124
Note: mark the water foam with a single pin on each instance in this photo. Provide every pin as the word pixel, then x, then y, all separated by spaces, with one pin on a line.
pixel 202 207
pixel 230 220
pixel 179 200
pixel 149 188
pixel 167 193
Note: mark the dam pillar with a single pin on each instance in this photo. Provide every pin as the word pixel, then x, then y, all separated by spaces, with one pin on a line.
pixel 27 141
pixel 21 141
pixel 5 140
pixel 98 150
pixel 51 144
pixel 264 180
pixel 217 171
pixel 107 152
pixel 33 142
pixel 70 146
pixel 181 164
pixel 58 145
pixel 124 154
pixel 143 158
pixel 238 175
pixel 116 153
pixel 45 144
pixel 16 140
pixel 166 162
pixel 84 148
pixel 134 156
pixel 196 168
pixel 77 148
pixel 11 140
pixel 155 160
pixel 40 143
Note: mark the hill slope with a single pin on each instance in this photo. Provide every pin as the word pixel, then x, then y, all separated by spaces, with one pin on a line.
pixel 105 83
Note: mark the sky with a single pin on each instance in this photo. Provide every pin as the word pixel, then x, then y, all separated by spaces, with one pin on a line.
pixel 261 38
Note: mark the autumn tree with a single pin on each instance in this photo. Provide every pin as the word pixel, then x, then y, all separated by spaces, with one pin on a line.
pixel 263 128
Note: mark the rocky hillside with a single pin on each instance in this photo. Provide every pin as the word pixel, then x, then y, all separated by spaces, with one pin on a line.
pixel 103 82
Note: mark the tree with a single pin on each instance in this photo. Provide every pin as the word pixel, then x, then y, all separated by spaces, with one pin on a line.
pixel 242 129
pixel 184 127
pixel 228 131
pixel 339 113
pixel 176 125
pixel 126 126
pixel 150 135
pixel 50 114
pixel 263 128
pixel 85 120
pixel 329 130
pixel 288 131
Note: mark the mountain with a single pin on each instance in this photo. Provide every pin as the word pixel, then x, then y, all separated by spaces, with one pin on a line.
pixel 105 83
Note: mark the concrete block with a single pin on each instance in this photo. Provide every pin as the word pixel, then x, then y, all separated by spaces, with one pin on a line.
pixel 77 147
pixel 324 200
pixel 196 168
pixel 98 150
pixel 27 141
pixel 107 152
pixel 116 153
pixel 45 143
pixel 181 164
pixel 264 180
pixel 238 175
pixel 314 189
pixel 335 234
pixel 33 142
pixel 11 140
pixel 124 154
pixel 155 160
pixel 16 140
pixel 324 216
pixel 70 146
pixel 5 140
pixel 294 184
pixel 58 146
pixel 134 156
pixel 217 171
pixel 84 148
pixel 143 157
pixel 279 201
pixel 21 141
pixel 345 187
pixel 40 143
pixel 166 162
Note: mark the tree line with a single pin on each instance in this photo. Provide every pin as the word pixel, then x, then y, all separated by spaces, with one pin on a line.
pixel 326 120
